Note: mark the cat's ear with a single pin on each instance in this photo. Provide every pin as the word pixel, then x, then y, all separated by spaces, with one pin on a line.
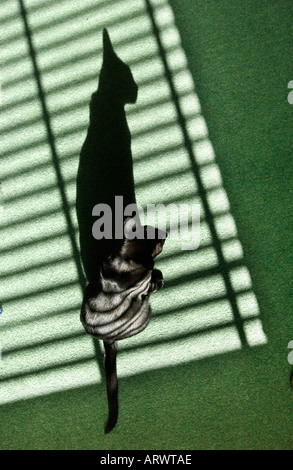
pixel 108 51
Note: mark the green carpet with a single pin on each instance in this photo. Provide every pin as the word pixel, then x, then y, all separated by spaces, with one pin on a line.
pixel 211 370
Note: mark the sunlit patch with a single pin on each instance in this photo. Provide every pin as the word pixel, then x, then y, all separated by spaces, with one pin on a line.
pixel 190 104
pixel 143 121
pixel 170 37
pixel 188 265
pixel 247 304
pixel 182 80
pixel 218 201
pixel 232 250
pixel 8 11
pixel 254 332
pixel 149 96
pixel 177 61
pixel 207 306
pixel 211 176
pixel 240 278
pixel 60 377
pixel 204 152
pixel 164 15
pixel 146 71
pixel 178 162
pixel 179 351
pixel 225 226
pixel 197 128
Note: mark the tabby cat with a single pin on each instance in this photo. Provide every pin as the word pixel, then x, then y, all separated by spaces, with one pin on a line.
pixel 120 272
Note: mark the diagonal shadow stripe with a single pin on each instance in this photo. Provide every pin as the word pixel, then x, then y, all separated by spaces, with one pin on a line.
pixel 196 173
pixel 55 161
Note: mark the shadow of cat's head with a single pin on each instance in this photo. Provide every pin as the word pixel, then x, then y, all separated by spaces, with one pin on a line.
pixel 116 76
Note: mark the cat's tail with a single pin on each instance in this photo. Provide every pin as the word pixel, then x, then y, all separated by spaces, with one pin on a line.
pixel 112 384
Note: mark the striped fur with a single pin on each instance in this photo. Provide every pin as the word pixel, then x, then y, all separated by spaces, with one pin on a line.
pixel 115 310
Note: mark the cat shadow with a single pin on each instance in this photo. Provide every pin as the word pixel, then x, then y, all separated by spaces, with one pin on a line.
pixel 105 165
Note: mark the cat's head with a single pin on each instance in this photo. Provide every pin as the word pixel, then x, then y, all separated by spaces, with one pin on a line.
pixel 144 246
pixel 116 76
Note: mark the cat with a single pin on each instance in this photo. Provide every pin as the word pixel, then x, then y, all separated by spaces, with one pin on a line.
pixel 120 272
pixel 116 302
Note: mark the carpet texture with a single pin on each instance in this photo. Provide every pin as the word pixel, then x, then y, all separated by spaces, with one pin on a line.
pixel 212 126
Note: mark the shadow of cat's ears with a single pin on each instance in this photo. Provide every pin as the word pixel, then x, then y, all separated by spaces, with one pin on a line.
pixel 106 36
pixel 107 44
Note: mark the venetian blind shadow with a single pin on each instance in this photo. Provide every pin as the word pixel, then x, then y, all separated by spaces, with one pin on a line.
pixel 170 146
